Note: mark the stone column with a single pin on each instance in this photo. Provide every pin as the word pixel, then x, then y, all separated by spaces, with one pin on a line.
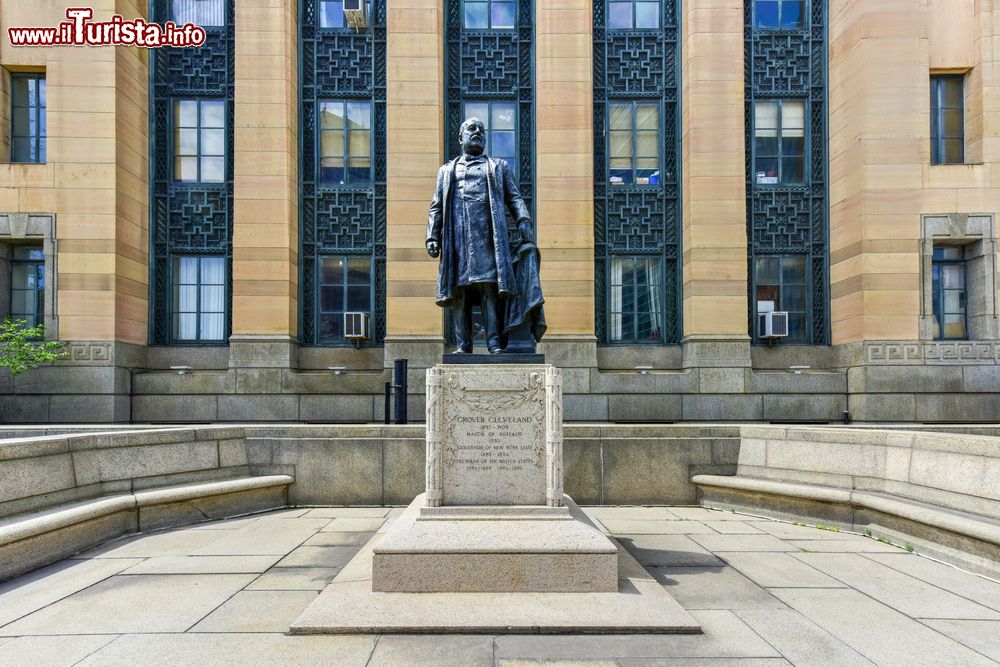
pixel 415 119
pixel 265 211
pixel 553 437
pixel 714 185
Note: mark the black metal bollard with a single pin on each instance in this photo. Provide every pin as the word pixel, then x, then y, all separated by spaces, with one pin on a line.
pixel 400 385
pixel 388 392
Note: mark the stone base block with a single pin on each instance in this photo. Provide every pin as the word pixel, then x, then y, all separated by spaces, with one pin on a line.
pixel 349 606
pixel 494 549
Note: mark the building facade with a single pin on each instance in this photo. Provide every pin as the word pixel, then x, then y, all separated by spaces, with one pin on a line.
pixel 197 223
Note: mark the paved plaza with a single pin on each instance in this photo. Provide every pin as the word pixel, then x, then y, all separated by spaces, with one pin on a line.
pixel 765 592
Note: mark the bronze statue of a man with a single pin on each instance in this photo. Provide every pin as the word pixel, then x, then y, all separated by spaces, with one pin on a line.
pixel 467 229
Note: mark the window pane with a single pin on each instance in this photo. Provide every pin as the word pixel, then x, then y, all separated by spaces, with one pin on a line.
pixel 331 170
pixel 358 271
pixel 359 170
pixel 793 298
pixel 953 95
pixel 793 117
pixel 213 113
pixel 620 15
pixel 478 110
pixel 767 270
pixel 647 15
pixel 360 144
pixel 647 116
pixel 502 144
pixel 332 271
pixel 213 169
pixel 765 116
pixel 185 326
pixel 953 276
pixel 621 146
pixel 954 301
pixel 358 298
pixel 648 144
pixel 502 15
pixel 793 270
pixel 212 142
pixel 954 326
pixel 331 327
pixel 791 146
pixel 620 176
pixel 621 116
pixel 766 170
pixel 186 142
pixel 954 123
pixel 331 299
pixel 767 14
pixel 332 143
pixel 953 252
pixel 331 14
pixel 796 326
pixel 359 115
pixel 186 169
pixel 791 14
pixel 331 115
pixel 954 151
pixel 502 117
pixel 766 146
pixel 793 170
pixel 476 15
pixel 186 113
pixel 212 326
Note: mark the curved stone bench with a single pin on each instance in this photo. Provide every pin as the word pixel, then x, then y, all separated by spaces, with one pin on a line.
pixel 32 540
pixel 938 492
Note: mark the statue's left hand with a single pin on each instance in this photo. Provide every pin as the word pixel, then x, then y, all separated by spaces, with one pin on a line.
pixel 525 228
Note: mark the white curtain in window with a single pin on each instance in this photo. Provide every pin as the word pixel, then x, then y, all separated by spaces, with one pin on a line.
pixel 653 306
pixel 615 324
pixel 187 298
pixel 200 12
pixel 213 293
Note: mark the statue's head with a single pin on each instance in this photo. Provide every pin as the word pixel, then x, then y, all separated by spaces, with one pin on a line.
pixel 472 135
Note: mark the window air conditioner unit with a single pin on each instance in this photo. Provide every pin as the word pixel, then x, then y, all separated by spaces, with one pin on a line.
pixel 773 324
pixel 354 14
pixel 356 326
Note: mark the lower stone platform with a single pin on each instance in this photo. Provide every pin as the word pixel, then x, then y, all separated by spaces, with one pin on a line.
pixel 350 606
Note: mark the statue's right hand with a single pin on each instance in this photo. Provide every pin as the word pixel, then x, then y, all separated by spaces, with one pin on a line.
pixel 433 249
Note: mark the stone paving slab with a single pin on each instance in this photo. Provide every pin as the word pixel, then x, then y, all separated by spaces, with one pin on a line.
pixel 667 551
pixel 981 636
pixel 800 640
pixel 170 650
pixel 793 531
pixel 133 603
pixel 203 565
pixel 338 540
pixel 44 651
pixel 742 543
pixel 415 651
pixel 697 662
pixel 24 595
pixel 348 512
pixel 263 538
pixel 778 570
pixel 705 514
pixel 318 557
pixel 862 545
pixel 732 527
pixel 176 542
pixel 972 586
pixel 257 611
pixel 714 588
pixel 876 631
pixel 630 513
pixel 911 596
pixel 662 527
pixel 294 579
pixel 353 525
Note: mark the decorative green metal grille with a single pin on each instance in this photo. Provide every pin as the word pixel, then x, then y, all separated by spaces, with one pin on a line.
pixel 786 219
pixel 187 218
pixel 641 220
pixel 343 220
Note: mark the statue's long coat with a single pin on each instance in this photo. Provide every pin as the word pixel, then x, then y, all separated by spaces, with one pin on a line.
pixel 505 199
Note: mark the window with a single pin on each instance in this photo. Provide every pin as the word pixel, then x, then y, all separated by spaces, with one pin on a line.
pixel 331 13
pixel 779 142
pixel 634 143
pixel 949 296
pixel 778 14
pixel 947 120
pixel 27 285
pixel 345 285
pixel 500 119
pixel 782 279
pixel 628 14
pixel 199 298
pixel 345 143
pixel 199 12
pixel 489 14
pixel 27 118
pixel 199 141
pixel 635 308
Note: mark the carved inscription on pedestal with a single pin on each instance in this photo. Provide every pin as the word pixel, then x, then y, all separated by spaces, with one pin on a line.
pixel 491 435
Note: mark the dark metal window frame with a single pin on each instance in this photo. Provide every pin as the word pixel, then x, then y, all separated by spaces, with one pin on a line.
pixel 633 3
pixel 781 7
pixel 635 139
pixel 637 312
pixel 38 289
pixel 781 305
pixel 171 312
pixel 38 111
pixel 345 285
pixel 938 108
pixel 806 148
pixel 489 14
pixel 937 297
pixel 346 130
pixel 174 127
